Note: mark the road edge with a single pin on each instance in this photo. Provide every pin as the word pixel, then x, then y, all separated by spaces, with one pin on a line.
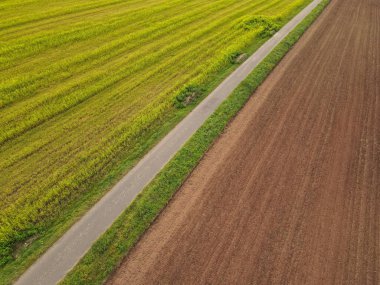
pixel 108 251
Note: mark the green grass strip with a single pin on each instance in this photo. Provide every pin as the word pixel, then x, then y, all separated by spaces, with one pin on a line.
pixel 107 253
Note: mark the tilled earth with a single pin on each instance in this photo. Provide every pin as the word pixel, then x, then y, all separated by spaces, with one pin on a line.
pixel 290 193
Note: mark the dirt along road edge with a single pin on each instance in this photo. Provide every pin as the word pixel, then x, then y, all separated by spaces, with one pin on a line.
pixel 54 264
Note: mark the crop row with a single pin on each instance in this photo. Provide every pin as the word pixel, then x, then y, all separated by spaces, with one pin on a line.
pixel 137 61
pixel 107 52
pixel 168 69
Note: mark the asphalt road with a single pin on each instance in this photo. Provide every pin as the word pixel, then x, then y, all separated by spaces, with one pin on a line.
pixel 53 265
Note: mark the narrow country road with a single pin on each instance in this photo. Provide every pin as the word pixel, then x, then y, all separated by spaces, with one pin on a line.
pixel 67 251
pixel 290 193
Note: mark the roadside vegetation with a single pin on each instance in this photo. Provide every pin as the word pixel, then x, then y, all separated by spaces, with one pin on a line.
pixel 87 87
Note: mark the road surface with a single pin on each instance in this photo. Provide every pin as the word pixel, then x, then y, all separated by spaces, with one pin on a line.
pixel 67 251
pixel 290 193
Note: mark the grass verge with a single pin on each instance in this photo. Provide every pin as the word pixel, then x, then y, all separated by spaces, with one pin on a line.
pixel 112 246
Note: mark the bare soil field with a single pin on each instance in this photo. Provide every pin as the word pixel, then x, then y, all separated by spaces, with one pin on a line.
pixel 290 193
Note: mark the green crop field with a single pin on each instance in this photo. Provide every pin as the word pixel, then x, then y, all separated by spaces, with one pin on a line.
pixel 86 85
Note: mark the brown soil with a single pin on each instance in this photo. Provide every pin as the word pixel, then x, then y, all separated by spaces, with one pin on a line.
pixel 290 194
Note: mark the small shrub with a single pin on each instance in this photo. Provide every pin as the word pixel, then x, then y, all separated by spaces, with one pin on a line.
pixel 187 95
pixel 265 25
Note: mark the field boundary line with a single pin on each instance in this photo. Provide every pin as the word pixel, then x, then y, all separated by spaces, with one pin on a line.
pixel 64 254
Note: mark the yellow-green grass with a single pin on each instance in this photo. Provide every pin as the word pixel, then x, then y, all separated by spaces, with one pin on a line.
pixel 85 85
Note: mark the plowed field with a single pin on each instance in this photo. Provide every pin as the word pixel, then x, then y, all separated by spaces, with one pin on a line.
pixel 290 193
